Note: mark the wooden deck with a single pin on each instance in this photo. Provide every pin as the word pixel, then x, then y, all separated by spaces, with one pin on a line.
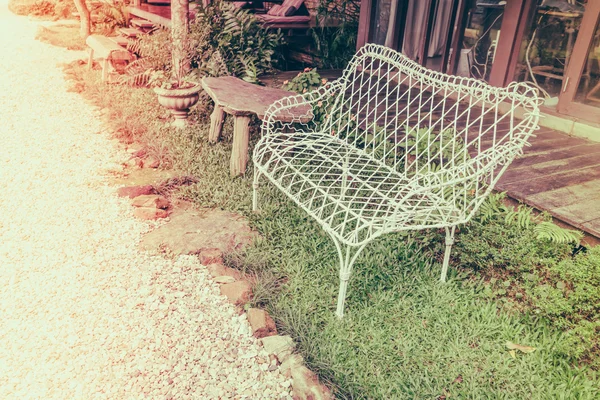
pixel 159 14
pixel 557 173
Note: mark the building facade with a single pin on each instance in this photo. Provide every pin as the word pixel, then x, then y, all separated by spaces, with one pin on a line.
pixel 554 44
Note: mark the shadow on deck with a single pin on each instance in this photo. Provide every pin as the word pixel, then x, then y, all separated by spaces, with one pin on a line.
pixel 558 173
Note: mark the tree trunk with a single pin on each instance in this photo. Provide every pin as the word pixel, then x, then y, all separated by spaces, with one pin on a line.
pixel 179 33
pixel 84 17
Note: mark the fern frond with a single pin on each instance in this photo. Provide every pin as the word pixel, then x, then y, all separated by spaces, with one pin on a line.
pixel 521 217
pixel 137 73
pixel 546 230
pixel 134 46
pixel 492 206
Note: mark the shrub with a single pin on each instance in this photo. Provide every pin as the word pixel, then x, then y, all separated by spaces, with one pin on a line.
pixel 19 7
pixel 223 40
pixel 336 45
pixel 43 8
pixel 230 41
pixel 570 299
pixel 155 55
pixel 64 8
pixel 305 81
pixel 110 15
pixel 516 241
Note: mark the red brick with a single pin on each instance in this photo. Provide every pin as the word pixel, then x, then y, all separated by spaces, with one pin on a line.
pixel 135 191
pixel 237 293
pixel 211 256
pixel 261 323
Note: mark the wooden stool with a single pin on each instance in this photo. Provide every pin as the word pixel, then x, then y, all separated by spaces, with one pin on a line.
pixel 242 100
pixel 108 51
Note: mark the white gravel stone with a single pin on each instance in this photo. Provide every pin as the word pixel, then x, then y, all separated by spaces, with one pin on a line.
pixel 84 314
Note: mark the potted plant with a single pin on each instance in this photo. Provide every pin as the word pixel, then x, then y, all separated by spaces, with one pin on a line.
pixel 178 94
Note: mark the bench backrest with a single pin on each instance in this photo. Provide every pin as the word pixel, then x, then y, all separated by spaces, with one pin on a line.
pixel 418 121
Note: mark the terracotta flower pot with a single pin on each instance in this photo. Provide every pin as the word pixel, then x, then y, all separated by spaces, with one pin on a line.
pixel 179 101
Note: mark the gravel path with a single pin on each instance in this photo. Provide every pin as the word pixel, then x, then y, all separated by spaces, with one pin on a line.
pixel 84 314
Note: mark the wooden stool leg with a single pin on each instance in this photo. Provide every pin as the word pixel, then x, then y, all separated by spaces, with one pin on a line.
pixel 239 152
pixel 91 59
pixel 216 124
pixel 104 69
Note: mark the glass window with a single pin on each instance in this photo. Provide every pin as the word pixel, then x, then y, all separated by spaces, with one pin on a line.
pixel 548 45
pixel 380 22
pixel 480 39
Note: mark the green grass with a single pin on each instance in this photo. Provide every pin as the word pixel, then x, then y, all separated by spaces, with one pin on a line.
pixel 405 335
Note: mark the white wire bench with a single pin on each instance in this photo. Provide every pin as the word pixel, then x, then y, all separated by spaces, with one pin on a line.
pixel 392 146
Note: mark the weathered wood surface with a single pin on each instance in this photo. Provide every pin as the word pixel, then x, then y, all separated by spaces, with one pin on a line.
pixel 130 32
pixel 160 14
pixel 120 40
pixel 104 48
pixel 216 124
pixel 559 174
pixel 141 23
pixel 240 98
pixel 239 149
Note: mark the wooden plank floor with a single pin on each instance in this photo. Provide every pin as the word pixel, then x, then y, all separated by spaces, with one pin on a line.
pixel 557 173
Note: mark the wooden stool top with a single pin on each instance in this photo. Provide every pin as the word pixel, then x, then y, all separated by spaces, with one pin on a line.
pixel 240 98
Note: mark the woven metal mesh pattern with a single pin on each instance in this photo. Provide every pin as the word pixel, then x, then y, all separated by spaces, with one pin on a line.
pixel 393 146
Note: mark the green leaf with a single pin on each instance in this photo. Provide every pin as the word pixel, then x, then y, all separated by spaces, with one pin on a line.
pixel 520 347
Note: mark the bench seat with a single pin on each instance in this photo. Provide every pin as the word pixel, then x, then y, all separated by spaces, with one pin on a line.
pixel 363 205
pixel 105 49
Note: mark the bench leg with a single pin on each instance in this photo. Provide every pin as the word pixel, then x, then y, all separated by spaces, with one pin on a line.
pixel 239 152
pixel 346 262
pixel 255 189
pixel 104 69
pixel 91 59
pixel 216 124
pixel 449 243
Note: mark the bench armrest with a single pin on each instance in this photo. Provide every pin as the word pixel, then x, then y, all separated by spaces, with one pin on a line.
pixel 459 179
pixel 292 110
